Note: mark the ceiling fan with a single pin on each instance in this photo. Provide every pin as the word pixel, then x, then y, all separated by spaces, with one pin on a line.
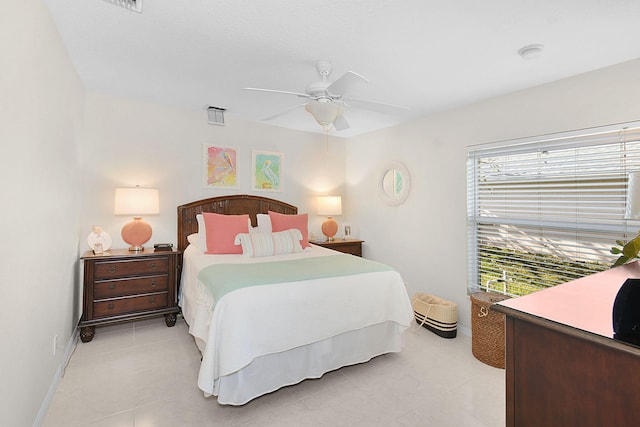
pixel 327 99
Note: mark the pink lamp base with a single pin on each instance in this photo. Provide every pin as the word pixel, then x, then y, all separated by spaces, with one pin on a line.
pixel 136 233
pixel 329 228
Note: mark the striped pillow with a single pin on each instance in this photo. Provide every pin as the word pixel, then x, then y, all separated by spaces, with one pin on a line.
pixel 257 244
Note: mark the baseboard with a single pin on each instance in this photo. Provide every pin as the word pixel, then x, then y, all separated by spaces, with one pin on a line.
pixel 71 346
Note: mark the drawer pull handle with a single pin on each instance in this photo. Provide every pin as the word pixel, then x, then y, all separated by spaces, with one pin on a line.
pixel 153 265
pixel 112 286
pixel 152 300
pixel 112 269
pixel 153 284
pixel 110 306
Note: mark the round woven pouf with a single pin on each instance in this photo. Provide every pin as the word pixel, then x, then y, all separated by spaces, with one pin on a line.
pixel 487 329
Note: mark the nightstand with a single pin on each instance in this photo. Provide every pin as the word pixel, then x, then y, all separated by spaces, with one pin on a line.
pixel 121 286
pixel 353 247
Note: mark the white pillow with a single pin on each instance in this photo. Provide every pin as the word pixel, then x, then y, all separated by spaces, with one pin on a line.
pixel 258 244
pixel 202 233
pixel 264 223
pixel 193 239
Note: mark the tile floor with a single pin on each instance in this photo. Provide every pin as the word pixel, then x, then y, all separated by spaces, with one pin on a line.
pixel 144 374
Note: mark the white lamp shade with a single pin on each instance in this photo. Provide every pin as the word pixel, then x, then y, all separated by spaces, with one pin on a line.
pixel 329 205
pixel 633 196
pixel 136 201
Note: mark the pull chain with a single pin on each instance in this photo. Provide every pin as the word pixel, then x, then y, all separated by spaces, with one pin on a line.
pixel 326 133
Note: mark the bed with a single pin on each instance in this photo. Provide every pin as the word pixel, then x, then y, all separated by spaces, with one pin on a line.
pixel 257 339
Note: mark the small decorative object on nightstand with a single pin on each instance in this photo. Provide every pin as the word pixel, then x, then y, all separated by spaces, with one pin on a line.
pixel 162 247
pixel 98 240
pixel 353 247
pixel 122 286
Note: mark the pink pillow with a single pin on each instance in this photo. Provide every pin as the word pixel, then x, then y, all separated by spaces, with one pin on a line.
pixel 282 222
pixel 222 231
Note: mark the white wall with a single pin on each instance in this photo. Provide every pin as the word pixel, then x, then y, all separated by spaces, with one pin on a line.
pixel 425 238
pixel 132 143
pixel 41 110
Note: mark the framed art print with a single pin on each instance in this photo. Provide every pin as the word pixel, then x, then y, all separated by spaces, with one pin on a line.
pixel 266 171
pixel 220 166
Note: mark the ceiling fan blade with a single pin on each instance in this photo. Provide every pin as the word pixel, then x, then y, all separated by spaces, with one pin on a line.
pixel 340 123
pixel 284 92
pixel 374 105
pixel 344 83
pixel 282 113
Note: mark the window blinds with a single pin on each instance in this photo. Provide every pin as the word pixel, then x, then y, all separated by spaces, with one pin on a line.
pixel 543 211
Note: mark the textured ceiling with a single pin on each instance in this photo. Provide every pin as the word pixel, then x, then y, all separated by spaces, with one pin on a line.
pixel 426 55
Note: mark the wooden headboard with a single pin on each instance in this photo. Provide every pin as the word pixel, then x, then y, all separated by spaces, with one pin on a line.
pixel 229 205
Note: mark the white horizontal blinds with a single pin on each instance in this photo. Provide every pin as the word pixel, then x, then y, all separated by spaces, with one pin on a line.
pixel 542 212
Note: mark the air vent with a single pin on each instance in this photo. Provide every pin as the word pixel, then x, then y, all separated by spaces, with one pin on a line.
pixel 134 5
pixel 216 115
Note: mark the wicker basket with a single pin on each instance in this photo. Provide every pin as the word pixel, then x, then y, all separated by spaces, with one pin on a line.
pixel 436 314
pixel 487 329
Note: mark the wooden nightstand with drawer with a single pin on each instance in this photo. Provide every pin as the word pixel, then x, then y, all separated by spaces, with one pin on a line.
pixel 121 286
pixel 353 247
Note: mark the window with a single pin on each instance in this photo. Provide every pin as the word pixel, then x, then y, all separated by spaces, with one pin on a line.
pixel 543 211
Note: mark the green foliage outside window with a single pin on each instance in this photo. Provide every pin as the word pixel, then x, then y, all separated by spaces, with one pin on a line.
pixel 528 272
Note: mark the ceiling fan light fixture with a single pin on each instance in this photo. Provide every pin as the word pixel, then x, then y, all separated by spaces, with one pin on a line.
pixel 325 112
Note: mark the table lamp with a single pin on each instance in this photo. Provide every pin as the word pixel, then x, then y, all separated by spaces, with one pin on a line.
pixel 137 202
pixel 329 205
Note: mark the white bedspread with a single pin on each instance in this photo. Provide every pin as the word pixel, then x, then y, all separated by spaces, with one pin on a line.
pixel 261 320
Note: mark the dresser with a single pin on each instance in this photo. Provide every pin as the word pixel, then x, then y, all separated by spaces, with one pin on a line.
pixel 353 247
pixel 121 286
pixel 563 367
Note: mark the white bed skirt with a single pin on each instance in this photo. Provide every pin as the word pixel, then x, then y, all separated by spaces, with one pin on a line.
pixel 273 371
